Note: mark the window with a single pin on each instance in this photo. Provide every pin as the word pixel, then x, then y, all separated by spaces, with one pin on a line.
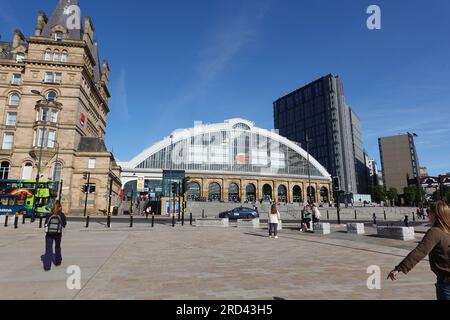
pixel 48 55
pixel 51 139
pixel 11 119
pixel 27 171
pixel 58 36
pixel 91 164
pixel 4 170
pixel 57 172
pixel 8 140
pixel 20 57
pixel 54 117
pixel 44 115
pixel 17 79
pixel 48 77
pixel 64 56
pixel 51 96
pixel 41 135
pixel 58 77
pixel 14 99
pixel 56 56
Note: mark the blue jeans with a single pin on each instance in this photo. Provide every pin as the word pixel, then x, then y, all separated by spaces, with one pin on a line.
pixel 443 290
pixel 49 257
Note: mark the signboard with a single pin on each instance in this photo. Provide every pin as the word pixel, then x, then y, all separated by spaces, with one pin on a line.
pixel 141 184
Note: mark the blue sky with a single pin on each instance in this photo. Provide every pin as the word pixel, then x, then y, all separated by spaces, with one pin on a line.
pixel 176 62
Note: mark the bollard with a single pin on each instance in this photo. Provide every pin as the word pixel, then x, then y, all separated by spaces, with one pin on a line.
pixel 179 217
pixel 374 219
pixel 87 221
pixel 414 217
pixel 190 218
pixel 40 222
pixel 328 215
pixel 203 214
pixel 16 221
pixel 356 215
pixel 6 220
pixel 406 221
pixel 23 218
pixel 182 220
pixel 153 220
pixel 108 221
pixel 385 216
pixel 173 221
pixel 131 221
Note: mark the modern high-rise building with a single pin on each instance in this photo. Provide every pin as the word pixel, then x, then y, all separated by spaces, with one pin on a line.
pixel 399 161
pixel 54 106
pixel 318 112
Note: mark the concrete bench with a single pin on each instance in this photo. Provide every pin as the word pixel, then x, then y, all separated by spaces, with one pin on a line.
pixel 356 228
pixel 322 228
pixel 397 233
pixel 221 223
pixel 248 223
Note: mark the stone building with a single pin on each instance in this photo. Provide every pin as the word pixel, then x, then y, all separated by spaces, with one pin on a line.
pixel 234 161
pixel 64 127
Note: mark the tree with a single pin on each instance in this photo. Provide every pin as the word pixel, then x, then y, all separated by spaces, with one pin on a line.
pixel 379 194
pixel 410 195
pixel 392 195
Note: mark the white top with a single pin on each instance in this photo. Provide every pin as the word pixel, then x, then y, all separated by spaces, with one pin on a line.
pixel 317 214
pixel 275 218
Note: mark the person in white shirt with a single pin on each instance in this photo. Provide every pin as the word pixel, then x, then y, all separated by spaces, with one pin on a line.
pixel 274 220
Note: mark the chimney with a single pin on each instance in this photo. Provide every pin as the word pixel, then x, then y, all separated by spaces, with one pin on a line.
pixel 41 23
pixel 88 30
pixel 18 38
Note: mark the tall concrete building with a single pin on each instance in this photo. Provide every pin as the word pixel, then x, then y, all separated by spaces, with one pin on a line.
pixel 399 161
pixel 318 112
pixel 64 127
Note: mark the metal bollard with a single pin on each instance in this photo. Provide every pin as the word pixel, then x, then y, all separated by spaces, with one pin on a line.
pixel 40 222
pixel 173 221
pixel 131 221
pixel 203 214
pixel 385 216
pixel 182 219
pixel 108 221
pixel 153 220
pixel 16 221
pixel 356 215
pixel 6 220
pixel 190 218
pixel 328 215
pixel 374 219
pixel 414 217
pixel 406 221
pixel 87 221
pixel 23 218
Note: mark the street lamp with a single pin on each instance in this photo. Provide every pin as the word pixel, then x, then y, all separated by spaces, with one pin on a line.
pixel 171 180
pixel 309 180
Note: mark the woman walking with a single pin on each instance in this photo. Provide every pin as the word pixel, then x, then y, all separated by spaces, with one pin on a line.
pixel 436 244
pixel 274 220
pixel 53 229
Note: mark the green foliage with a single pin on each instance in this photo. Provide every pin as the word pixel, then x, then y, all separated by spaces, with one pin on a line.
pixel 410 195
pixel 379 194
pixel 392 195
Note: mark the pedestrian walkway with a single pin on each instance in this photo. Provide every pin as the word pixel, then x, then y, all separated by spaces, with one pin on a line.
pixel 188 263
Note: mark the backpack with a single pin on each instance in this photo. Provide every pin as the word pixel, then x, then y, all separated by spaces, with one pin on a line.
pixel 54 226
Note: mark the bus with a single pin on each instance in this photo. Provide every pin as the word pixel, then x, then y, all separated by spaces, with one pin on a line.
pixel 19 197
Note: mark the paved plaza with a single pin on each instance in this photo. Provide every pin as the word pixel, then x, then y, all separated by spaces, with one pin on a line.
pixel 189 263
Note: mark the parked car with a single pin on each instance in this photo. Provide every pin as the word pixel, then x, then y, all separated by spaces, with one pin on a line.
pixel 240 213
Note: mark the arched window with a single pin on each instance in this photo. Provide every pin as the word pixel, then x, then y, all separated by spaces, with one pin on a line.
pixel 324 195
pixel 14 99
pixel 282 194
pixel 267 193
pixel 297 195
pixel 48 55
pixel 27 171
pixel 311 192
pixel 193 193
pixel 64 56
pixel 233 193
pixel 56 56
pixel 4 170
pixel 214 193
pixel 51 96
pixel 57 170
pixel 251 193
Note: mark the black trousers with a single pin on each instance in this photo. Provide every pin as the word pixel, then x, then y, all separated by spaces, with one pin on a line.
pixel 273 229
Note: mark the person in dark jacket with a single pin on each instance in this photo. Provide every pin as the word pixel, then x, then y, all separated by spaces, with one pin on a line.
pixel 53 236
pixel 436 244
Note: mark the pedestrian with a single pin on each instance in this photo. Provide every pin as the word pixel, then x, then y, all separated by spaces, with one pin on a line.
pixel 274 220
pixel 316 214
pixel 54 225
pixel 436 244
pixel 307 218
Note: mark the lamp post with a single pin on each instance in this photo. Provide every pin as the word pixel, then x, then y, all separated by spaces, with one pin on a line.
pixel 38 176
pixel 171 180
pixel 309 180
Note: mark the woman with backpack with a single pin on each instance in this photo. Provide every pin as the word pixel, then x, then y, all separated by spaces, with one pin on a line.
pixel 54 225
pixel 436 245
pixel 274 220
